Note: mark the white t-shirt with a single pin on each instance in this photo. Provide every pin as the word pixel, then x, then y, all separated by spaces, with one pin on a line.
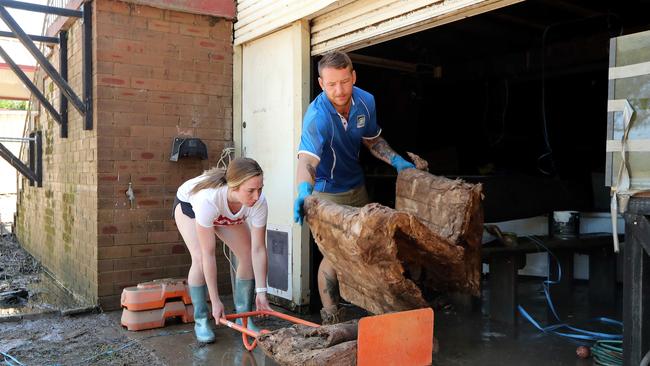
pixel 211 206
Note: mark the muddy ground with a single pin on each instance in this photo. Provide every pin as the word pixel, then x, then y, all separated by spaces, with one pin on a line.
pixel 35 332
pixel 41 324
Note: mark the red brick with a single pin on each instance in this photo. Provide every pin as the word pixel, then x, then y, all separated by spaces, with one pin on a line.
pixel 178 109
pixel 129 216
pixel 149 179
pixel 109 229
pixel 105 265
pixel 111 130
pixel 162 97
pixel 130 118
pixel 131 166
pixel 104 216
pixel 169 225
pixel 106 166
pixel 127 70
pixel 129 263
pixel 155 225
pixel 130 238
pixel 166 73
pixel 112 80
pixel 147 274
pixel 149 131
pixel 131 142
pixel 179 249
pixel 159 213
pixel 113 252
pixel 114 277
pixel 109 105
pixel 105 289
pixel 147 60
pixel 159 143
pixel 104 92
pixel 174 131
pixel 148 12
pixel 105 240
pixel 163 237
pixel 149 203
pixel 143 250
pixel 181 17
pixel 161 26
pixel 192 30
pixel 108 177
pixel 217 57
pixel 178 271
pixel 110 153
pixel 116 56
pixel 103 117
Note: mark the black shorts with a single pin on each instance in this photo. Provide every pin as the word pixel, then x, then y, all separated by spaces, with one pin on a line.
pixel 186 207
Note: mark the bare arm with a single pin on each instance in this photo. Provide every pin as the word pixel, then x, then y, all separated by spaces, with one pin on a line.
pixel 260 264
pixel 307 168
pixel 258 255
pixel 380 149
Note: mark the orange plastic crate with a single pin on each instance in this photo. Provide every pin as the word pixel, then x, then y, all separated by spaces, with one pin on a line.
pixel 150 319
pixel 154 294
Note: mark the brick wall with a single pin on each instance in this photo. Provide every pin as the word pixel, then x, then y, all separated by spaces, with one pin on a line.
pixel 57 223
pixel 158 74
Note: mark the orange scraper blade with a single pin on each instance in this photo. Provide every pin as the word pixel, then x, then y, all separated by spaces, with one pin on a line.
pixel 404 339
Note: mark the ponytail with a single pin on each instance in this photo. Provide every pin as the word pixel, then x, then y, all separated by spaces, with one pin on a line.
pixel 239 170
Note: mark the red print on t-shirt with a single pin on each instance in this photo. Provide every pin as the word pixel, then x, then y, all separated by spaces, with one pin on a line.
pixel 222 220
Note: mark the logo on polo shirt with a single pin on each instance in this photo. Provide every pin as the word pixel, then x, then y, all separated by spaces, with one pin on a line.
pixel 361 121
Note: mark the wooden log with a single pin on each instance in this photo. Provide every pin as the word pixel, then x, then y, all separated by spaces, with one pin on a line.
pixel 301 345
pixel 381 255
pixel 450 208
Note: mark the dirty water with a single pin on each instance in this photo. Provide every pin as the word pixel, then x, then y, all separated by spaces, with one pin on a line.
pixel 465 337
pixel 25 288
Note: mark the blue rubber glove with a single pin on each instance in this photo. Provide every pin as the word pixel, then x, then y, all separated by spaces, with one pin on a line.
pixel 400 164
pixel 304 190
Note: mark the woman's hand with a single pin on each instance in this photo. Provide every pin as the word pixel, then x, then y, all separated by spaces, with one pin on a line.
pixel 261 302
pixel 218 311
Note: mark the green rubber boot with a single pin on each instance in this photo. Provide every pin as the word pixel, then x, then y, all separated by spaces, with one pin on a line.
pixel 202 330
pixel 244 297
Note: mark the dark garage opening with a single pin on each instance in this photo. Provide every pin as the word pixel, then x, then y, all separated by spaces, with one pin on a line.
pixel 515 99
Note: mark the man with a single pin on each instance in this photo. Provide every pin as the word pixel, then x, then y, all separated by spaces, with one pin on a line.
pixel 337 122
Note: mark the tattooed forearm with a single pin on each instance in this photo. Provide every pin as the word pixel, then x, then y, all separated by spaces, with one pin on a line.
pixel 312 172
pixel 332 289
pixel 381 150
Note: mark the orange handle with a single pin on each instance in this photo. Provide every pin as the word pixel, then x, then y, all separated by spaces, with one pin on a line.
pixel 249 333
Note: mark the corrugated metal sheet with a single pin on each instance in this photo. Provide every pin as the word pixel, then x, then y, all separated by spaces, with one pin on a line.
pixel 256 18
pixel 361 23
pixel 350 24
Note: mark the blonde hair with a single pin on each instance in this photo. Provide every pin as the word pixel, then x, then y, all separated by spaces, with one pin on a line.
pixel 239 170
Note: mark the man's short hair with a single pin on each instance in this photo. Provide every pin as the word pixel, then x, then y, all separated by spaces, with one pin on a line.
pixel 335 60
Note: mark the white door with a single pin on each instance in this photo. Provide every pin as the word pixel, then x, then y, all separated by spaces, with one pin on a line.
pixel 274 70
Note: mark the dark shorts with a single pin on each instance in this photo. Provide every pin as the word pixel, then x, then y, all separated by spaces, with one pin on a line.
pixel 186 207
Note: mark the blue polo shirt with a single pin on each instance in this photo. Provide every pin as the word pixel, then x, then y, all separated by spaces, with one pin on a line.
pixel 335 144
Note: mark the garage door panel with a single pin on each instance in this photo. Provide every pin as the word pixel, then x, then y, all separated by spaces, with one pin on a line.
pixel 379 22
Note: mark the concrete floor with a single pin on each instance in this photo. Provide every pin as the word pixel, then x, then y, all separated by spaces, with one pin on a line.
pixel 465 337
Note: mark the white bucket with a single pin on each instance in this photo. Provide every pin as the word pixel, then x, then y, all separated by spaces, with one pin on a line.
pixel 565 224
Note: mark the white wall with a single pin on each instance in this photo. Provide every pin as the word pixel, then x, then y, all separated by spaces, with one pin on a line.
pixel 11 125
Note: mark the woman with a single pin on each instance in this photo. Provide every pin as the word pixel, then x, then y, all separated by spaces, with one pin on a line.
pixel 222 202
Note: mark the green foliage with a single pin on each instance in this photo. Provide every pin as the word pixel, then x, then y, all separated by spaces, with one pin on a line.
pixel 13 104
